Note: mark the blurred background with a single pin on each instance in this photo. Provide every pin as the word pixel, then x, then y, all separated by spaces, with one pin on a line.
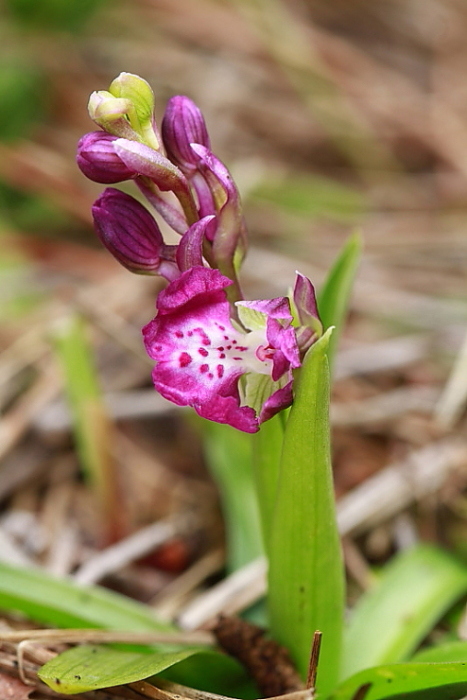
pixel 333 117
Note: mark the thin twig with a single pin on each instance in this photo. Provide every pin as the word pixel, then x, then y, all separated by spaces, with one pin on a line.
pixel 314 660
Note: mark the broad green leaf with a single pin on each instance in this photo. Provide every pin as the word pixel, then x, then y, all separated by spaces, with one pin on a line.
pixel 60 603
pixel 414 681
pixel 389 621
pixel 214 672
pixel 228 454
pixel 306 582
pixel 267 452
pixel 90 667
pixel 333 298
pixel 442 653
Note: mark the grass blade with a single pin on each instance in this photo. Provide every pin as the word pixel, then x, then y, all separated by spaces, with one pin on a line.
pixel 333 298
pixel 228 453
pixel 442 653
pixel 406 681
pixel 306 583
pixel 91 425
pixel 389 621
pixel 60 603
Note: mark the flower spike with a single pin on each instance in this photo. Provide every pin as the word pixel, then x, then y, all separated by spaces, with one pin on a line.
pixel 232 360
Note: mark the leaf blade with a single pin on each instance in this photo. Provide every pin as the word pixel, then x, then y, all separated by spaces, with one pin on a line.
pixel 306 585
pixel 413 681
pixel 60 603
pixel 267 452
pixel 448 652
pixel 390 620
pixel 229 456
pixel 89 667
pixel 333 298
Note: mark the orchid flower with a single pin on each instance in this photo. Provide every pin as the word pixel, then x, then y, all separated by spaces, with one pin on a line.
pixel 229 372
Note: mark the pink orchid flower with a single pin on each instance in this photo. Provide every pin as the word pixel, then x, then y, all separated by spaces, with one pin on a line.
pixel 229 372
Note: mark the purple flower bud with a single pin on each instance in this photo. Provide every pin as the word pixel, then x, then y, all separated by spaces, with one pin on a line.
pixel 305 300
pixel 130 233
pixel 190 248
pixel 182 125
pixel 97 159
pixel 230 237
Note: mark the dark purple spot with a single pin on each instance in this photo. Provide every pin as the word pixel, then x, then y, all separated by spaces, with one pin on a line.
pixel 226 337
pixel 189 334
pixel 220 371
pixel 179 334
pixel 238 358
pixel 210 375
pixel 221 328
pixel 234 342
pixel 242 348
pixel 203 369
pixel 222 356
pixel 229 347
pixel 204 338
pixel 184 359
pixel 203 352
pixel 220 348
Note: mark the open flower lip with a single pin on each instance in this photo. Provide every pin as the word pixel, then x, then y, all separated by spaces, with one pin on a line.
pixel 204 360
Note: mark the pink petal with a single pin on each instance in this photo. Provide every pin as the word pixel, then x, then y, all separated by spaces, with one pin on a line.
pixel 280 399
pixel 226 409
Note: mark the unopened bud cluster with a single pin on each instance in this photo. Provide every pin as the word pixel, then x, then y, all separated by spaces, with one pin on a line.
pixel 175 170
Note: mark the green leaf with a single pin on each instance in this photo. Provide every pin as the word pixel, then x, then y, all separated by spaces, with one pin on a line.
pixel 90 667
pixel 389 621
pixel 333 298
pixel 267 453
pixel 441 653
pixel 306 582
pixel 406 681
pixel 91 424
pixel 60 603
pixel 213 672
pixel 228 454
